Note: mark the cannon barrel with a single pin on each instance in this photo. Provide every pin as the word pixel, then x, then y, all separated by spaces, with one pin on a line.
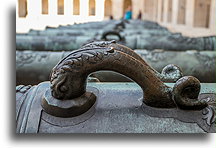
pixel 137 27
pixel 176 42
pixel 147 41
pixel 90 31
pixel 129 24
pixel 34 67
pixel 68 104
pixel 50 42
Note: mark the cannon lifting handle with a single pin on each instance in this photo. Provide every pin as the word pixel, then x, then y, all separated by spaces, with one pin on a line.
pixel 112 33
pixel 67 95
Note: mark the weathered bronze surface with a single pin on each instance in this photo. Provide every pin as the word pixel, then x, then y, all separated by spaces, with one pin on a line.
pixel 34 67
pixel 118 109
pixel 68 103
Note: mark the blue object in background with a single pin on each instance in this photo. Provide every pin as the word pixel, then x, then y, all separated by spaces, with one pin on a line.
pixel 128 15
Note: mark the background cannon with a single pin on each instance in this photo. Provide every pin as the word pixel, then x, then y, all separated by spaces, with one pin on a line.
pixel 134 34
pixel 34 67
pixel 176 42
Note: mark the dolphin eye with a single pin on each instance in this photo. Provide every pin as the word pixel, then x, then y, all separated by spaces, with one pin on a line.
pixel 63 88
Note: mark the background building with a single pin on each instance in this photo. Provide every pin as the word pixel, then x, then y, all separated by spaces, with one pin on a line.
pixel 191 17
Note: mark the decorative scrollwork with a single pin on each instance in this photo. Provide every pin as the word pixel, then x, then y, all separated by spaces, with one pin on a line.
pixel 23 88
pixel 23 59
pixel 209 115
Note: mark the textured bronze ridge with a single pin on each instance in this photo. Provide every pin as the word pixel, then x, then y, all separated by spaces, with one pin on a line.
pixel 68 77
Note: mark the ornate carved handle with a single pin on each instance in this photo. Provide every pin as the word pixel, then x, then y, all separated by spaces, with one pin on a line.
pixel 68 97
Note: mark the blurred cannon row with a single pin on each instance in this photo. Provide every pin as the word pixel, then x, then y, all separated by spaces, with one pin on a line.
pixel 134 34
pixel 39 51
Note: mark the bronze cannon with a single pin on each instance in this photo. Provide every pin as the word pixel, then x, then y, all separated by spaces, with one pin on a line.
pixel 154 39
pixel 33 67
pixel 67 104
pixel 87 29
pixel 151 41
pixel 72 37
pixel 140 38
